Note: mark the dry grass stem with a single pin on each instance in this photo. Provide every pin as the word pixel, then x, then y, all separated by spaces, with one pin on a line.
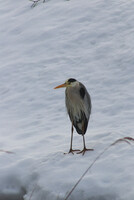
pixel 125 139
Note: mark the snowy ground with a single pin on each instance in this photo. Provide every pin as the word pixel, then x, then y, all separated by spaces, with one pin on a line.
pixel 41 47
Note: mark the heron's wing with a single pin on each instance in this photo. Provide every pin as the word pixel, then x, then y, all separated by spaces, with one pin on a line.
pixel 81 123
pixel 82 92
pixel 84 95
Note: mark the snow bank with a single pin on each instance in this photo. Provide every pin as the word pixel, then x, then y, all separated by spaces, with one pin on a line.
pixel 41 47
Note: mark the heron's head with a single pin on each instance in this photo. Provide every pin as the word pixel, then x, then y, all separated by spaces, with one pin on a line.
pixel 71 82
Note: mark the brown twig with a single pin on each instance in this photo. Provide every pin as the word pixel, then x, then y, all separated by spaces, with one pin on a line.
pixel 33 191
pixel 125 139
pixel 10 152
pixel 35 2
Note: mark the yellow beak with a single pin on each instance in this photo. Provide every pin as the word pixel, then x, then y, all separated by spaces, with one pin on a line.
pixel 60 86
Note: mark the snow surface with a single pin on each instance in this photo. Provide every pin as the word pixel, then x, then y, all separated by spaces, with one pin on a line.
pixel 41 47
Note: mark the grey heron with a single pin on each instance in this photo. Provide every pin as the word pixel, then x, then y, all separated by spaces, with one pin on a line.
pixel 78 104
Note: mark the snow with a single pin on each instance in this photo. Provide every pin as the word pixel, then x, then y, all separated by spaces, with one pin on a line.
pixel 41 47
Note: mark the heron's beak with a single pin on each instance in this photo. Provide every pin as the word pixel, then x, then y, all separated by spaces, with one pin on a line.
pixel 60 86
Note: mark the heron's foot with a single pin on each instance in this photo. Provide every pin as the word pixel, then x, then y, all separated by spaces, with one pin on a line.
pixel 84 150
pixel 72 151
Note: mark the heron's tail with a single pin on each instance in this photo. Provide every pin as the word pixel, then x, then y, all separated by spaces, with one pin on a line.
pixel 81 127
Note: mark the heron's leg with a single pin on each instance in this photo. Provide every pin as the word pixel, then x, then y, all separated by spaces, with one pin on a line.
pixel 72 150
pixel 84 147
pixel 84 144
pixel 72 130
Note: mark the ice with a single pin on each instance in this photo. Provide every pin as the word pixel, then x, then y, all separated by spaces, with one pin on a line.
pixel 41 47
